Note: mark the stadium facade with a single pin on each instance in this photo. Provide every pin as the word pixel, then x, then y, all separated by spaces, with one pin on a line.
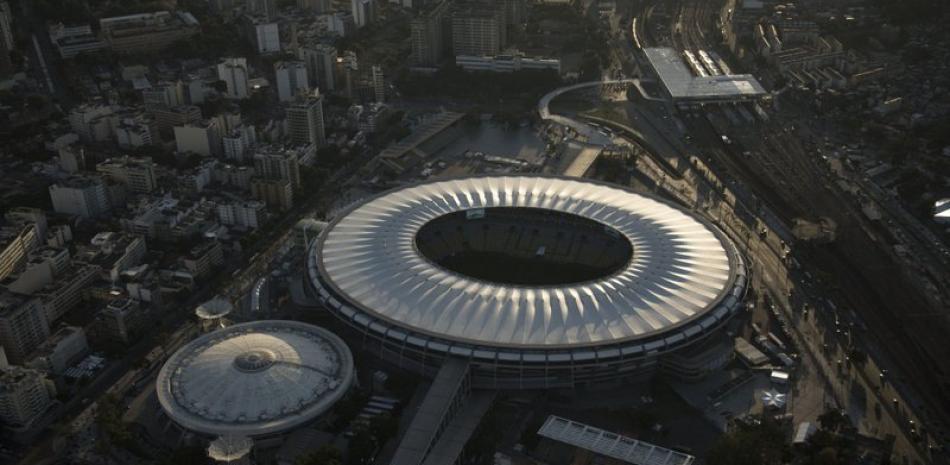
pixel 536 281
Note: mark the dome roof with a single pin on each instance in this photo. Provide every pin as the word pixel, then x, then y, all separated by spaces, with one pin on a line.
pixel 255 378
pixel 217 307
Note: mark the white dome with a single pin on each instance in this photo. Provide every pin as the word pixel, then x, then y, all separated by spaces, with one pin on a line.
pixel 255 378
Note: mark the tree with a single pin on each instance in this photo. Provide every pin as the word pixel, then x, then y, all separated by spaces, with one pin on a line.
pixel 757 442
pixel 383 427
pixel 327 454
pixel 362 447
pixel 832 420
pixel 188 455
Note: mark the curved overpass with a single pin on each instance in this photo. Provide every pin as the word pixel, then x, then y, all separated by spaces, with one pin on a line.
pixel 593 136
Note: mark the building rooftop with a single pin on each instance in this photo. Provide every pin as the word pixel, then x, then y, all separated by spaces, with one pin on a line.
pixel 683 84
pixel 11 301
pixel 255 379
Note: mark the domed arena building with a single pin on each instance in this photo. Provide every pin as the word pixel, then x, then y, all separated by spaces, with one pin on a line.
pixel 535 281
pixel 254 380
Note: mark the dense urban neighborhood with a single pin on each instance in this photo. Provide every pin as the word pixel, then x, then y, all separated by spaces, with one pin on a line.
pixel 475 232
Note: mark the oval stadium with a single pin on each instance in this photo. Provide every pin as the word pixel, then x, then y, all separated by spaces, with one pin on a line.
pixel 536 281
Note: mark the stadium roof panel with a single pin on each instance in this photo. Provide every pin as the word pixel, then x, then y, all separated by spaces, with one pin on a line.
pixel 681 83
pixel 680 271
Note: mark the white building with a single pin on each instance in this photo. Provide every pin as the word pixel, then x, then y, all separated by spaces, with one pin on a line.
pixel 64 347
pixel 41 269
pixel 94 123
pixel 201 138
pixel 264 34
pixel 238 142
pixel 73 40
pixel 305 120
pixel 137 174
pixel 83 196
pixel 291 79
pixel 165 94
pixel 243 214
pixel 66 292
pixel 133 132
pixel 364 12
pixel 233 71
pixel 24 395
pixel 23 325
pixel 340 24
pixel 506 63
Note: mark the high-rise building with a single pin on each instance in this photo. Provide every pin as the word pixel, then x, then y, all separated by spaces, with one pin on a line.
pixel 121 321
pixel 276 193
pixel 24 395
pixel 478 29
pixel 378 82
pixel 93 123
pixel 25 230
pixel 243 214
pixel 233 71
pixel 137 174
pixel 515 11
pixel 167 118
pixel 136 131
pixel 6 26
pixel 66 292
pixel 165 95
pixel 263 33
pixel 277 162
pixel 23 325
pixel 427 32
pixel 84 196
pixel 64 347
pixel 291 79
pixel 6 40
pixel 305 120
pixel 265 8
pixel 238 142
pixel 341 24
pixel 364 12
pixel 201 138
pixel 348 68
pixel 320 60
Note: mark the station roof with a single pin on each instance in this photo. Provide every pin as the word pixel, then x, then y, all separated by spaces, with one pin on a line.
pixel 681 83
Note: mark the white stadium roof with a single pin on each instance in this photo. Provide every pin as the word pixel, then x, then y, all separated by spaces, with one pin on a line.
pixel 683 84
pixel 680 272
pixel 254 379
